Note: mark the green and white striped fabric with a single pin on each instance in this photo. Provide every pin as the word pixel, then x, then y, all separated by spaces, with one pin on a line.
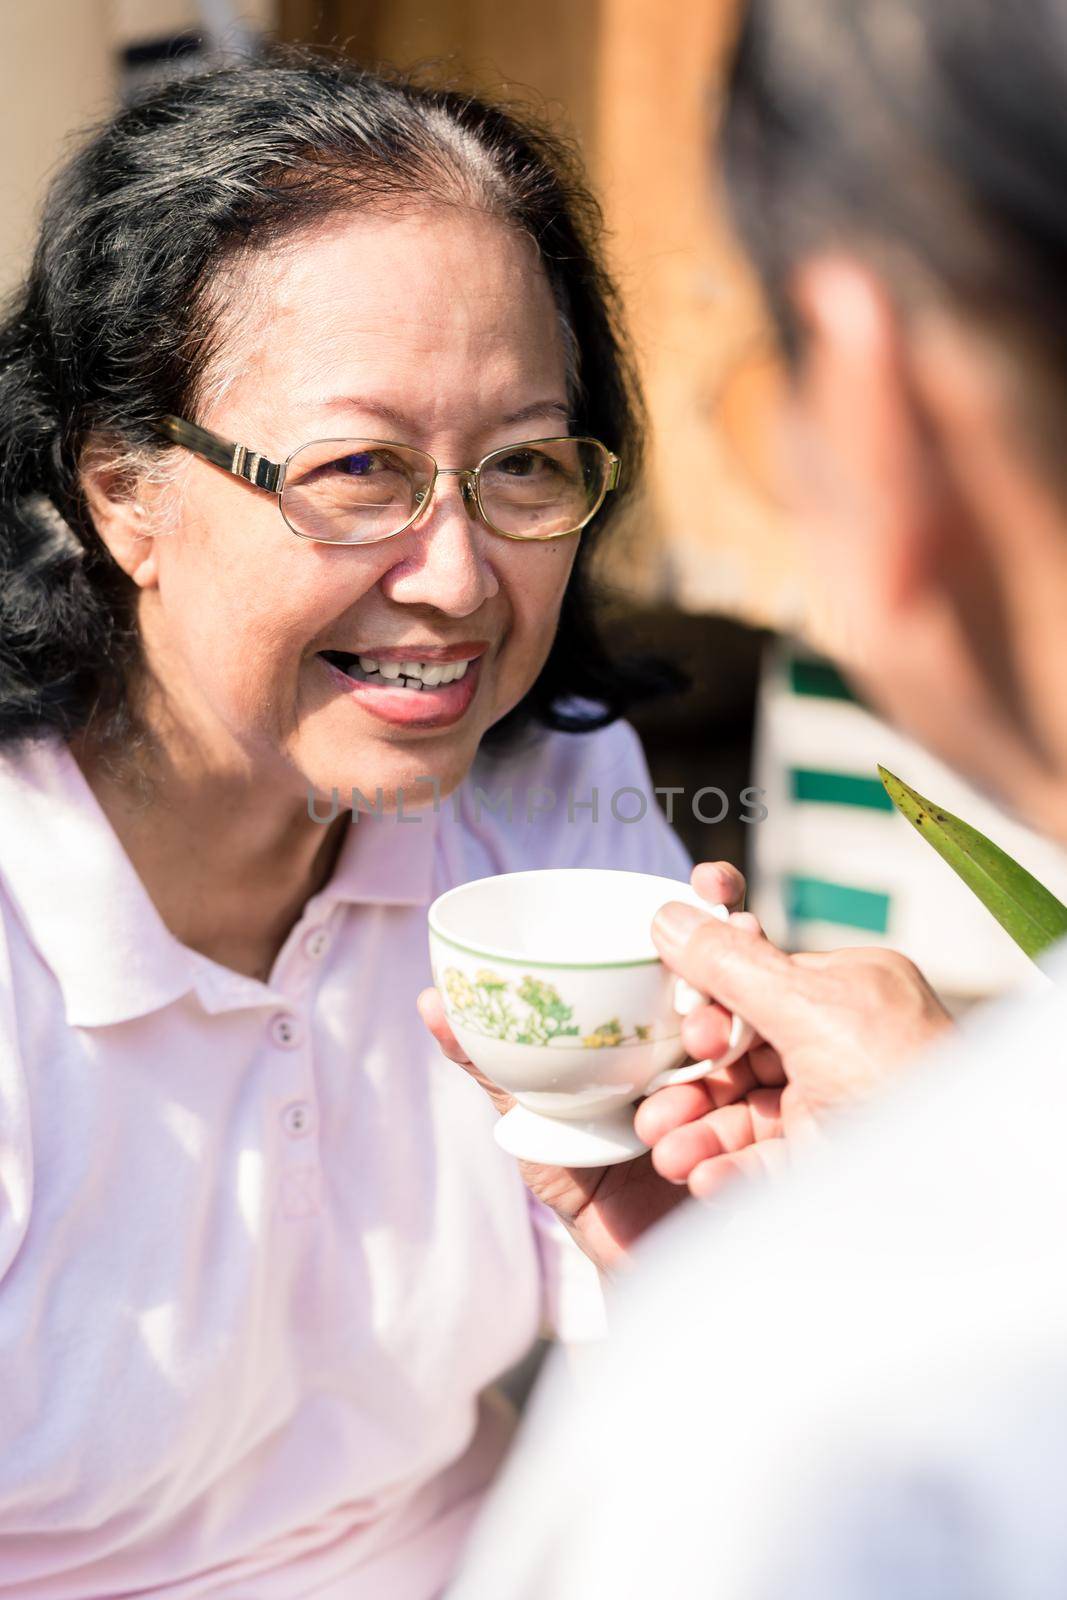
pixel 834 865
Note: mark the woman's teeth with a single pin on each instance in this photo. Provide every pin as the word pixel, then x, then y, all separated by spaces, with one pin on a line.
pixel 403 674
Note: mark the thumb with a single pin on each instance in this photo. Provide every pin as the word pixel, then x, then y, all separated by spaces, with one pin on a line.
pixel 738 968
pixel 432 1013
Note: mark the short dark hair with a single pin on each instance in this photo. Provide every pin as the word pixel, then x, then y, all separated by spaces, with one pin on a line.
pixel 116 323
pixel 930 135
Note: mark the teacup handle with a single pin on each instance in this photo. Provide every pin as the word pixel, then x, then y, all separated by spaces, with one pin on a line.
pixel 686 999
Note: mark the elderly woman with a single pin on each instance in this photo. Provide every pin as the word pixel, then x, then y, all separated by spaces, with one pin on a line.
pixel 311 409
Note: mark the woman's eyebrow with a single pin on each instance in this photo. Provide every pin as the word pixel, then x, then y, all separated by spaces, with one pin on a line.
pixel 372 408
pixel 396 418
pixel 541 408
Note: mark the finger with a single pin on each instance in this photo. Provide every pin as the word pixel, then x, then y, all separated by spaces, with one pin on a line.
pixel 729 1083
pixel 765 1064
pixel 719 883
pixel 720 1133
pixel 432 1012
pixel 672 1107
pixel 705 1032
pixel 743 971
pixel 756 1163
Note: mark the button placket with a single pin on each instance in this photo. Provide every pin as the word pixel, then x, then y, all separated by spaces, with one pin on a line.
pixel 300 1192
pixel 296 1120
pixel 286 1031
pixel 316 944
pixel 304 950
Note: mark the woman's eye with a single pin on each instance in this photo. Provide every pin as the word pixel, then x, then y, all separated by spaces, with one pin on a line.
pixel 520 464
pixel 364 463
pixel 358 467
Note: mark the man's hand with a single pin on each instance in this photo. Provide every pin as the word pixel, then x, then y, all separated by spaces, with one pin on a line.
pixel 834 1028
pixel 605 1208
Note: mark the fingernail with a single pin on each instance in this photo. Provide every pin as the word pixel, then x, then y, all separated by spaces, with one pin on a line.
pixel 674 923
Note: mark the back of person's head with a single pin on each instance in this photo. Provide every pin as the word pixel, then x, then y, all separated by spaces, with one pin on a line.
pixel 141 267
pixel 929 135
pixel 898 170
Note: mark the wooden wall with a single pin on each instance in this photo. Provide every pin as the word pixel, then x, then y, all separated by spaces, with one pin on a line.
pixel 56 74
pixel 634 80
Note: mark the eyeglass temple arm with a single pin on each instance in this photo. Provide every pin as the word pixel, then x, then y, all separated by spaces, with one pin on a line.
pixel 235 458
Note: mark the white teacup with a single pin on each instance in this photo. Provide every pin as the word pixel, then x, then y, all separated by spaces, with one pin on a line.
pixel 553 987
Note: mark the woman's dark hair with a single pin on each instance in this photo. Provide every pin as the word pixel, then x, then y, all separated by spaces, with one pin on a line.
pixel 929 134
pixel 117 321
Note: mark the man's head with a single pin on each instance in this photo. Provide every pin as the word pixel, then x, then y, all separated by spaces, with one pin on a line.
pixel 898 169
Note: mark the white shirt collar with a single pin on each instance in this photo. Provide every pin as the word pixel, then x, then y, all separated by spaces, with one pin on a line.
pixel 385 860
pixel 94 923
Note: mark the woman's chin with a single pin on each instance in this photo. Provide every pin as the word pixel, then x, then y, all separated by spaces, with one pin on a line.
pixel 391 767
pixel 386 781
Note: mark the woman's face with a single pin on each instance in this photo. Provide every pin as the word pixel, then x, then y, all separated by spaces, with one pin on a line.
pixel 437 330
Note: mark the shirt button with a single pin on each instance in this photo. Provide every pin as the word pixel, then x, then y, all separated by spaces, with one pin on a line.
pixel 285 1031
pixel 297 1119
pixel 316 944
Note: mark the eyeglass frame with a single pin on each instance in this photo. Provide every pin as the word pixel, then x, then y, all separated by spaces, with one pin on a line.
pixel 250 467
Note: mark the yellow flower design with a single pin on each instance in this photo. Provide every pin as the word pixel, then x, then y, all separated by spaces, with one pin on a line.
pixel 459 989
pixel 484 1003
pixel 607 1034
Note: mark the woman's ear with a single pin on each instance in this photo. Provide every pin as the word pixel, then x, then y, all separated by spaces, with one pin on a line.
pixel 121 517
pixel 877 476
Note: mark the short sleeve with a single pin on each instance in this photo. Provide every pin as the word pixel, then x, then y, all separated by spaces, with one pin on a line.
pixel 629 831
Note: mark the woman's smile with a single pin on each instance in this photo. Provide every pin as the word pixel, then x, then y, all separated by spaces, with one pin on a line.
pixel 413 686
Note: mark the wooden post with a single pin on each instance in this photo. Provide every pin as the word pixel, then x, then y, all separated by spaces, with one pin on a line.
pixel 56 76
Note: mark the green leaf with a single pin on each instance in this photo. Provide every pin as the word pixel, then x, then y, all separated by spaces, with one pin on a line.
pixel 1024 908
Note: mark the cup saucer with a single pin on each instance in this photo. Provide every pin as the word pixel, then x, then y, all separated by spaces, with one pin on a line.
pixel 570 1142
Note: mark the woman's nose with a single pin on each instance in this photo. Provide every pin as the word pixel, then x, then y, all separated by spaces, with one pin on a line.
pixel 443 558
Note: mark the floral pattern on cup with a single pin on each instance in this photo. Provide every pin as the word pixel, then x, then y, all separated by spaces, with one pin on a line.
pixel 528 1012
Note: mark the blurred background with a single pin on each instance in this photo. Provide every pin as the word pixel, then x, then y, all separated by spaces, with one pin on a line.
pixel 705 571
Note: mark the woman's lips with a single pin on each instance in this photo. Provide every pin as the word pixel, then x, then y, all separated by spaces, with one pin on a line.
pixel 411 708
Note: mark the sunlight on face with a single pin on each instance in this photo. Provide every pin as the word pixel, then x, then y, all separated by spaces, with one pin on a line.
pixel 436 330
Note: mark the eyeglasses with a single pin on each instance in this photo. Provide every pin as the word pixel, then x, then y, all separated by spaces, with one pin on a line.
pixel 359 491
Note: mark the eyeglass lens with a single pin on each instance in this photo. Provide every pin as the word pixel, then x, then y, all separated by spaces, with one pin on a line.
pixel 361 490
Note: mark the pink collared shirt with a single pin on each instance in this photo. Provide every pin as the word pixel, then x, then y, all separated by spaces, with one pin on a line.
pixel 260 1257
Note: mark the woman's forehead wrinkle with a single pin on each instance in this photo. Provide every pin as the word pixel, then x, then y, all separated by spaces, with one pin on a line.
pixel 396 271
pixel 462 335
pixel 383 364
pixel 322 336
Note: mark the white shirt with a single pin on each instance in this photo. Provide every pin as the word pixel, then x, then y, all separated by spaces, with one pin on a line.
pixel 260 1257
pixel 851 1386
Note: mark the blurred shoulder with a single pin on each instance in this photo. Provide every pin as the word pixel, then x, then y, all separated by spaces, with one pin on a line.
pixel 568 757
pixel 562 800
